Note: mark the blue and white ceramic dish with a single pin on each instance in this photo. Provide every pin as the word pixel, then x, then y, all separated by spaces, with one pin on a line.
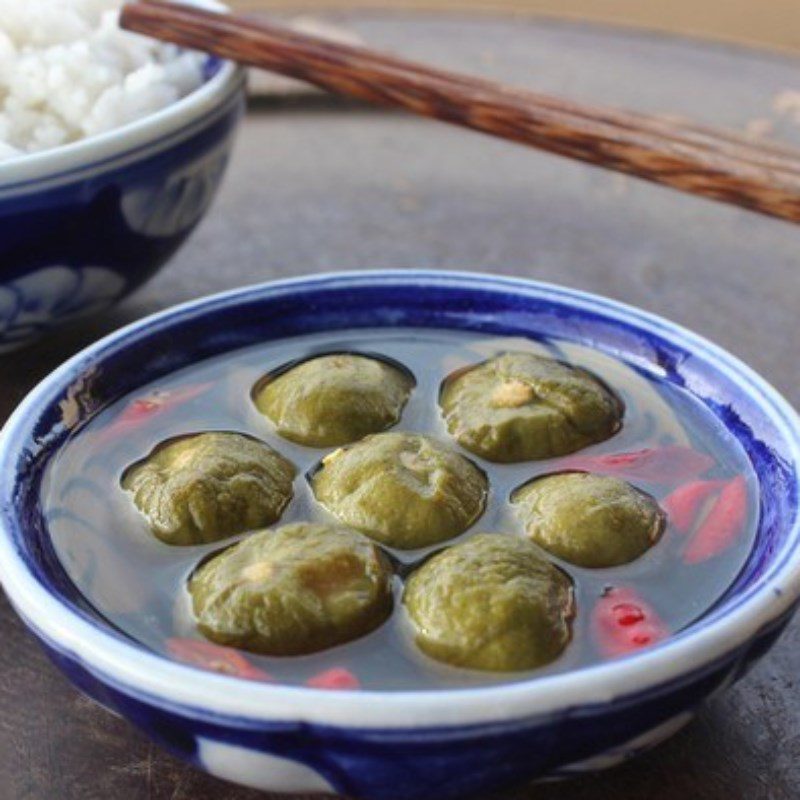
pixel 85 224
pixel 403 745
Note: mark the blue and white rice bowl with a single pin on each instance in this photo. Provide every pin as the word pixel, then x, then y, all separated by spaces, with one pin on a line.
pixel 84 224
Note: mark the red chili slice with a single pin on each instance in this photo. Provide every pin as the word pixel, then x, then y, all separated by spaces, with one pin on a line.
pixel 685 503
pixel 215 658
pixel 622 622
pixel 722 525
pixel 669 464
pixel 335 678
pixel 146 407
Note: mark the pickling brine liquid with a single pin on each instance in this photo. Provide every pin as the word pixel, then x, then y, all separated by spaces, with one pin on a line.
pixel 669 446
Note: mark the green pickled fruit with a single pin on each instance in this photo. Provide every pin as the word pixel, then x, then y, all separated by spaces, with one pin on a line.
pixel 522 407
pixel 402 489
pixel 293 590
pixel 209 486
pixel 491 603
pixel 589 520
pixel 334 399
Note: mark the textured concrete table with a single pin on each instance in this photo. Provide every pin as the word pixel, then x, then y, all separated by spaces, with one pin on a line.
pixel 316 185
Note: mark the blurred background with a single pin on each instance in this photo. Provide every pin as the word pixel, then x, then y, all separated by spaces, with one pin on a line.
pixel 766 22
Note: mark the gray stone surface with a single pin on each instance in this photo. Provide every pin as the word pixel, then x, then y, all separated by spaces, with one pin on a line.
pixel 319 185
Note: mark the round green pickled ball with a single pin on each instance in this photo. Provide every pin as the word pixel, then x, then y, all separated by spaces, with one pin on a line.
pixel 293 590
pixel 492 603
pixel 589 520
pixel 209 486
pixel 521 407
pixel 334 399
pixel 402 489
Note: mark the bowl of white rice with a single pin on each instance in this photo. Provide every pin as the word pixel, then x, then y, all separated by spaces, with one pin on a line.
pixel 112 147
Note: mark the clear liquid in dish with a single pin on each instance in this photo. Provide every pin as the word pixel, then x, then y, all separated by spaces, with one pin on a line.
pixel 139 584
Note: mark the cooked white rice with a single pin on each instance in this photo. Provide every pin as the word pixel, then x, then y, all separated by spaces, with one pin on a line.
pixel 67 71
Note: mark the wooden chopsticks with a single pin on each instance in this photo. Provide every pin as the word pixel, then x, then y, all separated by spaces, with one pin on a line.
pixel 720 165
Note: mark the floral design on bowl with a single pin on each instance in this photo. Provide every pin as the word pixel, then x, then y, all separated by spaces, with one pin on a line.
pixel 40 299
pixel 174 206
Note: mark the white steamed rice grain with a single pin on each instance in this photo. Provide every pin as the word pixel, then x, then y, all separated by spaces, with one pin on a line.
pixel 67 71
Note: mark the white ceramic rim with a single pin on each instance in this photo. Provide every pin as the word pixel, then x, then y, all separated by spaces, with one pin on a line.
pixel 84 153
pixel 197 693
